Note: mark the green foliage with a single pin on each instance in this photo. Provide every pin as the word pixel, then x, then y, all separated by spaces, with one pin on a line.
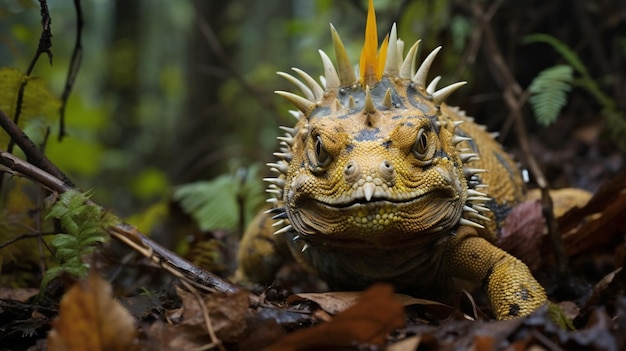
pixel 37 101
pixel 85 225
pixel 615 119
pixel 147 219
pixel 549 92
pixel 217 204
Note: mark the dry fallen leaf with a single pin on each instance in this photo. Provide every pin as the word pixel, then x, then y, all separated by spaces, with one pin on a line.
pixel 522 233
pixel 90 319
pixel 228 315
pixel 369 321
pixel 335 302
pixel 21 295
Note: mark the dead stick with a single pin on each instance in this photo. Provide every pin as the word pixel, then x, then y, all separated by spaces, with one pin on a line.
pixel 34 156
pixel 127 233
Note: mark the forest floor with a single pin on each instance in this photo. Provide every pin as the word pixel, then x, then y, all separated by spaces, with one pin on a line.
pixel 142 306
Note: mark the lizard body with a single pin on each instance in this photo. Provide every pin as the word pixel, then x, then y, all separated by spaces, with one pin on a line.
pixel 380 180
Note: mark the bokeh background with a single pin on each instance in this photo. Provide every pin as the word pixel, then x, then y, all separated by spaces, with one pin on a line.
pixel 173 92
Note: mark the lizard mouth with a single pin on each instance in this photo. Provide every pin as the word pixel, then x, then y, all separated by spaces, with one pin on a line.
pixel 378 220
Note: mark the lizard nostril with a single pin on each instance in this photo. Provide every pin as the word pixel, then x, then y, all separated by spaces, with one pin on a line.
pixel 386 170
pixel 351 171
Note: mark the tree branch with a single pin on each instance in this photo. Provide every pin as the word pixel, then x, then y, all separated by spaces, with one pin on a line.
pixel 129 234
pixel 33 154
pixel 45 173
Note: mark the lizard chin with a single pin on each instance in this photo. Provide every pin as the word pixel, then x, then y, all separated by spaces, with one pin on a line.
pixel 387 222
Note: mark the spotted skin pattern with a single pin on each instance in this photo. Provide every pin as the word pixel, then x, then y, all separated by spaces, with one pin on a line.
pixel 381 180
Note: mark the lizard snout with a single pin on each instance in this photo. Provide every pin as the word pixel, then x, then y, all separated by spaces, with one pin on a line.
pixel 370 181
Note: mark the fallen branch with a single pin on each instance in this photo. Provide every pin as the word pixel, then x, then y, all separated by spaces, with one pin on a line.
pixel 45 173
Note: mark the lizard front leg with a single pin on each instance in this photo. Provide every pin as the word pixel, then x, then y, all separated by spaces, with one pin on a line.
pixel 260 252
pixel 511 288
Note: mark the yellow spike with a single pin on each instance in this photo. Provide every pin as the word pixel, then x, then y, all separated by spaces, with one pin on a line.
pixel 344 66
pixel 368 62
pixel 382 58
pixel 369 107
pixel 387 103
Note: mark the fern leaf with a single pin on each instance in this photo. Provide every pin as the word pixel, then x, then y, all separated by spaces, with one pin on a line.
pixel 84 224
pixel 215 204
pixel 211 203
pixel 549 92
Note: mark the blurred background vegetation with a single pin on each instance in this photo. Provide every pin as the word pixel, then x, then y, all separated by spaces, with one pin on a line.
pixel 173 92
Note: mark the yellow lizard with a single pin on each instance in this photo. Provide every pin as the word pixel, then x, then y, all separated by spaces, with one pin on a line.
pixel 380 180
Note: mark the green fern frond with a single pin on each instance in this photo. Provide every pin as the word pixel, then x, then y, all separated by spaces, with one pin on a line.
pixel 85 226
pixel 549 92
pixel 614 117
pixel 215 204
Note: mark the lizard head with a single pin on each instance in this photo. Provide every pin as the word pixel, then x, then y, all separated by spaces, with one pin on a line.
pixel 371 160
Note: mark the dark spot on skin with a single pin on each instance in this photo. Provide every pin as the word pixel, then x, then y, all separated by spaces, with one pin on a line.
pixel 415 99
pixel 506 165
pixel 343 117
pixel 396 117
pixel 475 256
pixel 514 310
pixel 386 144
pixel 349 148
pixel 487 277
pixel 320 112
pixel 367 134
pixel 499 210
pixel 409 124
pixel 441 154
pixel 524 294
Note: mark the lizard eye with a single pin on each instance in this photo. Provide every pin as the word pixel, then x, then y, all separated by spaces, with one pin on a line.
pixel 421 146
pixel 321 155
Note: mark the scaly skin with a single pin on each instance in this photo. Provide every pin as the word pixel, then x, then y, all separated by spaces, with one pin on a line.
pixel 380 180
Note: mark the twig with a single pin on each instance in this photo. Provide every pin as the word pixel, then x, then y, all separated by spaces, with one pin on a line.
pixel 24 236
pixel 515 97
pixel 215 341
pixel 77 55
pixel 48 175
pixel 33 154
pixel 45 43
pixel 129 235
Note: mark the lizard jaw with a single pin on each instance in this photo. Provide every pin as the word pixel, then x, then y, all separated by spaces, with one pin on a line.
pixel 377 221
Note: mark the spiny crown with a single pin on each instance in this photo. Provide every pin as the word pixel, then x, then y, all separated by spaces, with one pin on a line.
pixel 374 64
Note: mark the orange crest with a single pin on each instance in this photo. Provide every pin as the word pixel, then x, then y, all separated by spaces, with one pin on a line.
pixel 372 61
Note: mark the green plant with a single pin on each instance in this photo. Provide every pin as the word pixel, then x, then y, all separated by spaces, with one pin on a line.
pixel 550 87
pixel 85 226
pixel 549 92
pixel 225 202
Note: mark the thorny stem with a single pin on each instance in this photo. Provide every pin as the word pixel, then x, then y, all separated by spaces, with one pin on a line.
pixel 515 97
